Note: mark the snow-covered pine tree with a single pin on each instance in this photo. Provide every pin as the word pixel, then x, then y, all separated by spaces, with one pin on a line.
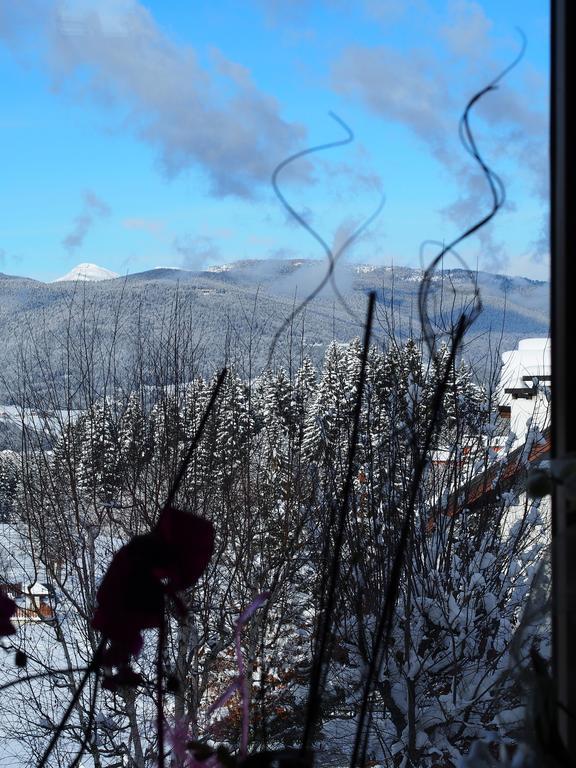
pixel 234 425
pixel 98 471
pixel 8 475
pixel 133 446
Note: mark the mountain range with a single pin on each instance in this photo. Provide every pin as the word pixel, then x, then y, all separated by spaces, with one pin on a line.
pixel 233 311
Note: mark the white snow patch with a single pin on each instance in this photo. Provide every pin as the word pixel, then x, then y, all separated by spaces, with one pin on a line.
pixel 87 273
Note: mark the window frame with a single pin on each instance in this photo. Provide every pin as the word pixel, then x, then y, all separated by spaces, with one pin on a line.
pixel 563 331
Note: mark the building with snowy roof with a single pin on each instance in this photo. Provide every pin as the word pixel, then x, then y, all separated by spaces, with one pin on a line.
pixel 21 579
pixel 524 390
pixel 496 470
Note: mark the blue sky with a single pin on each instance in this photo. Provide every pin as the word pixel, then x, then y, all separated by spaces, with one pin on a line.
pixel 144 134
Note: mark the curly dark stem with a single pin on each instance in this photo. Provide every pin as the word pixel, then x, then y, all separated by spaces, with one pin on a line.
pixel 385 622
pixel 332 257
pixel 497 191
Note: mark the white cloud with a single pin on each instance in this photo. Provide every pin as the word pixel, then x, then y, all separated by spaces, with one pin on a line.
pixel 197 252
pixel 406 87
pixel 426 93
pixel 195 116
pixel 94 208
pixel 467 31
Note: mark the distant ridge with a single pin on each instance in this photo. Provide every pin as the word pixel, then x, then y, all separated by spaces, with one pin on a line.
pixel 221 314
pixel 87 273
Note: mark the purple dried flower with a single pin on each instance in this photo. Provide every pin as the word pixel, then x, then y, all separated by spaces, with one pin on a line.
pixel 170 558
pixel 7 610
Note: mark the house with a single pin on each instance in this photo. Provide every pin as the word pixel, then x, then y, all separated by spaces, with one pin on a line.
pixel 34 601
pixel 21 579
pixel 524 391
pixel 497 468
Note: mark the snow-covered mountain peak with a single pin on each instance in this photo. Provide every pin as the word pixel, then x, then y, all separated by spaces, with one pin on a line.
pixel 87 272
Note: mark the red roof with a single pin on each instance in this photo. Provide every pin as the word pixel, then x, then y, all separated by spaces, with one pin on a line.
pixel 498 476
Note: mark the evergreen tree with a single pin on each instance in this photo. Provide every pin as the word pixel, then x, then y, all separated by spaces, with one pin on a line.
pixel 133 446
pixel 98 470
pixel 8 481
pixel 234 426
pixel 327 423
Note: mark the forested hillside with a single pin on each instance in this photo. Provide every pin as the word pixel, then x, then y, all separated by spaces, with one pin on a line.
pixel 232 313
pixel 269 473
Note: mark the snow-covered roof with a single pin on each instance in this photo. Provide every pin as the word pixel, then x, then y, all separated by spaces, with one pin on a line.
pixel 504 472
pixel 528 441
pixel 519 366
pixel 35 589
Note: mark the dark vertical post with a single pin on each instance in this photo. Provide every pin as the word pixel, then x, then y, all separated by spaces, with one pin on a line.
pixel 563 286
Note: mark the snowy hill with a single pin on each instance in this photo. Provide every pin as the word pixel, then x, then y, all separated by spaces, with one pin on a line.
pixel 87 272
pixel 224 313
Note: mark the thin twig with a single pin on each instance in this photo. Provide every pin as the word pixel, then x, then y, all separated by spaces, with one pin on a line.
pixel 92 667
pixel 159 689
pixel 319 662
